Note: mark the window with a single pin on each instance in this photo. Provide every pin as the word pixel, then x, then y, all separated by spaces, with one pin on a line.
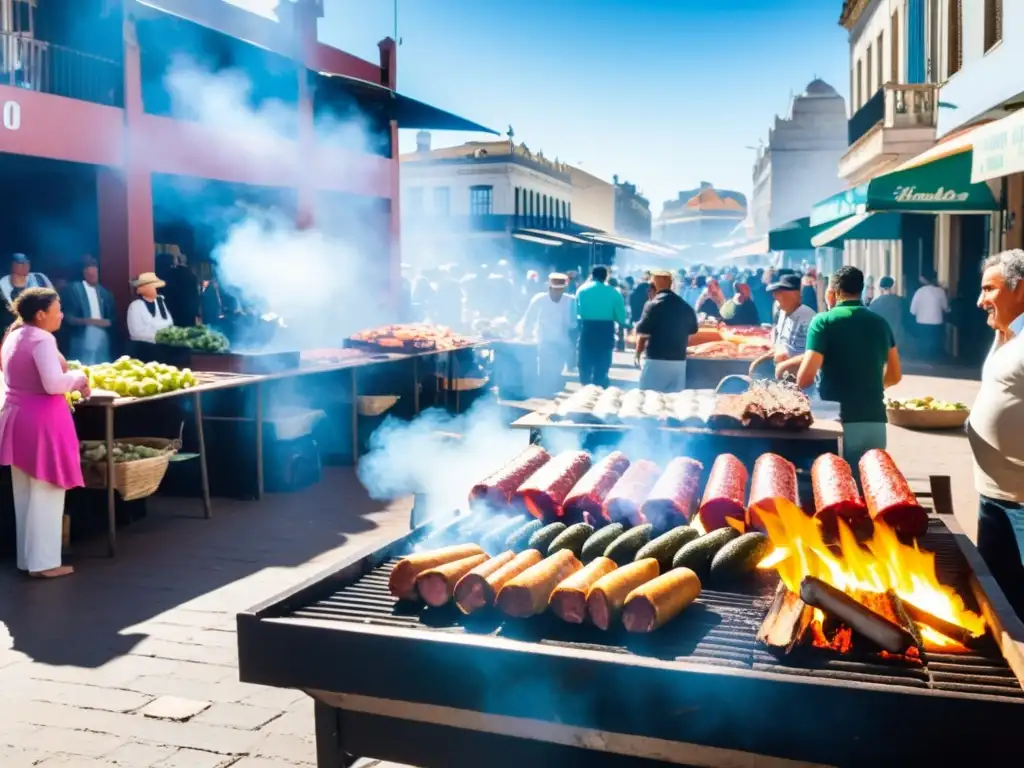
pixel 481 200
pixel 517 203
pixel 529 203
pixel 993 23
pixel 880 59
pixel 442 201
pixel 414 200
pixel 955 41
pixel 932 60
pixel 869 66
pixel 544 207
pixel 859 98
pixel 894 48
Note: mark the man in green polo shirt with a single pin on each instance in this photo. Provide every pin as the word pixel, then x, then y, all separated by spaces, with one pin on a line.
pixel 855 352
pixel 600 307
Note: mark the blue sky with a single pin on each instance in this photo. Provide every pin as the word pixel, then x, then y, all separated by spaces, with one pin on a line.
pixel 665 93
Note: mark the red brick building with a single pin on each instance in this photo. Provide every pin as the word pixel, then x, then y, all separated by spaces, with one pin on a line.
pixel 80 81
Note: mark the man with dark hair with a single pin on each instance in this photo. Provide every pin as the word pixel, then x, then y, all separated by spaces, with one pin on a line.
pixel 856 353
pixel 599 307
pixel 889 305
pixel 663 329
pixel 89 315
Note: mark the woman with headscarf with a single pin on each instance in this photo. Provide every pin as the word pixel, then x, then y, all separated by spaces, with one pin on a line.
pixel 37 435
pixel 710 302
pixel 148 313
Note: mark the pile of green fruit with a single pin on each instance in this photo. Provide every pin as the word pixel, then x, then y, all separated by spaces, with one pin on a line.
pixel 195 337
pixel 122 452
pixel 129 377
pixel 923 404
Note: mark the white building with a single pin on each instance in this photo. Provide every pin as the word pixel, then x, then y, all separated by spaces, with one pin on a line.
pixel 797 167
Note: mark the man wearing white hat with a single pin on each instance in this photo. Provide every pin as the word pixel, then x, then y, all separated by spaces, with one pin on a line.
pixel 148 313
pixel 549 321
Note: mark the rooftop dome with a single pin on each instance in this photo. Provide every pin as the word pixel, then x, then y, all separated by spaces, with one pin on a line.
pixel 819 88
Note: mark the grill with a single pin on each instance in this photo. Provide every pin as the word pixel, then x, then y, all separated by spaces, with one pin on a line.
pixel 431 687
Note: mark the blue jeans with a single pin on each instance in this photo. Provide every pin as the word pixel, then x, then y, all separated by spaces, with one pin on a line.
pixel 663 375
pixel 859 437
pixel 1001 545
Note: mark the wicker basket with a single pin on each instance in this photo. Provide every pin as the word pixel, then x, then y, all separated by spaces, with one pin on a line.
pixel 915 419
pixel 132 479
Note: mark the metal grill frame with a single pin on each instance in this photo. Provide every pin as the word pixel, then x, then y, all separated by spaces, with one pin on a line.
pixel 420 696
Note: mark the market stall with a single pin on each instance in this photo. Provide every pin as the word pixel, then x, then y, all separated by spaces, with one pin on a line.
pixel 717 351
pixel 515 632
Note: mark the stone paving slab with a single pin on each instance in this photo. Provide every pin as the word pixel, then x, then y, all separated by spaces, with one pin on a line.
pixel 83 659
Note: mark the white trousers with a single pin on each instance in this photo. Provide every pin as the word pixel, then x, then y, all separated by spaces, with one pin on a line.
pixel 39 513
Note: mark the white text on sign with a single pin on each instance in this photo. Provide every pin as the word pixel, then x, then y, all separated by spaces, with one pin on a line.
pixel 11 115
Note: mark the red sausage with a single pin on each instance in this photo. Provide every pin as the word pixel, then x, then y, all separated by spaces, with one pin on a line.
pixel 544 493
pixel 724 494
pixel 497 488
pixel 673 498
pixel 628 494
pixel 835 490
pixel 588 495
pixel 774 480
pixel 888 496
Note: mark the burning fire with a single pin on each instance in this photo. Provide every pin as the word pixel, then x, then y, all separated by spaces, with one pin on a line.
pixel 883 563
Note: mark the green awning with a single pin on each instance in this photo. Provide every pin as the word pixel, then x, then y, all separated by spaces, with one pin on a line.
pixel 794 235
pixel 936 181
pixel 862 226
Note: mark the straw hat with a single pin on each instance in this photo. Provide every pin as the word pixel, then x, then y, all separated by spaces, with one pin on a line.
pixel 148 278
pixel 558 280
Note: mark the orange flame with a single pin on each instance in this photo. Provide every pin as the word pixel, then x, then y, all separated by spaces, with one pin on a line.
pixel 881 564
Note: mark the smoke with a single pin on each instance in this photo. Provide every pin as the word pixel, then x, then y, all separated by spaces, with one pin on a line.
pixel 327 281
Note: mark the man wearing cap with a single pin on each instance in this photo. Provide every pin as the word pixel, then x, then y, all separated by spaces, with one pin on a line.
pixel 599 307
pixel 789 334
pixel 889 305
pixel 21 277
pixel 550 320
pixel 665 326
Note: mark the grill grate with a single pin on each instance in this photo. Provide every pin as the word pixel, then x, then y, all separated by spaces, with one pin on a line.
pixel 718 629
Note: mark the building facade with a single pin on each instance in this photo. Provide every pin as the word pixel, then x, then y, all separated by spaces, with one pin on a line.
pixel 632 211
pixel 699 219
pixel 797 166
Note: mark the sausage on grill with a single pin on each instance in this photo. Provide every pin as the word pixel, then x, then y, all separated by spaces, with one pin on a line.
pixel 497 488
pixel 888 496
pixel 835 490
pixel 471 593
pixel 672 499
pixel 545 492
pixel 480 592
pixel 725 493
pixel 528 593
pixel 773 482
pixel 569 600
pixel 660 600
pixel 437 585
pixel 588 495
pixel 608 595
pixel 402 581
pixel 627 495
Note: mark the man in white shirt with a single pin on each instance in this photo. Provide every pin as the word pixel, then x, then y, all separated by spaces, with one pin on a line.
pixel 789 335
pixel 929 307
pixel 21 277
pixel 89 315
pixel 996 428
pixel 549 321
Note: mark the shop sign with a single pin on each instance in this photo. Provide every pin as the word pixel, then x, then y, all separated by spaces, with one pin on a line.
pixel 999 149
pixel 910 194
pixel 11 115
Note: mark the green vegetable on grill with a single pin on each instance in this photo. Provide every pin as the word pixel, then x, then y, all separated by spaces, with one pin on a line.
pixel 572 538
pixel 624 548
pixel 542 539
pixel 520 539
pixel 664 548
pixel 197 337
pixel 598 543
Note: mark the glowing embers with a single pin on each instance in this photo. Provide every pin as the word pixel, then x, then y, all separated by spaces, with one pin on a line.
pixel 895 586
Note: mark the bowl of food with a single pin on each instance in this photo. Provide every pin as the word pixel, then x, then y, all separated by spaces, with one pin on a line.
pixel 926 413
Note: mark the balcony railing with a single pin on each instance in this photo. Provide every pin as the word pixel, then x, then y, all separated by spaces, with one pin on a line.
pixel 896 106
pixel 39 66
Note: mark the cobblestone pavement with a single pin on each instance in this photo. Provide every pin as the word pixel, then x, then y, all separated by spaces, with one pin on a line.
pixel 132 663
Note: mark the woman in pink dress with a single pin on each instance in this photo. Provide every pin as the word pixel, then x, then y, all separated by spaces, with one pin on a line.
pixel 37 434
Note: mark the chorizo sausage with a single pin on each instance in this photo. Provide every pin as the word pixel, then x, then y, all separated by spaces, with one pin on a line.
pixel 497 488
pixel 773 481
pixel 569 600
pixel 437 585
pixel 835 490
pixel 660 600
pixel 402 581
pixel 609 593
pixel 588 495
pixel 544 493
pixel 528 593
pixel 724 493
pixel 471 593
pixel 672 499
pixel 486 590
pixel 888 496
pixel 627 495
